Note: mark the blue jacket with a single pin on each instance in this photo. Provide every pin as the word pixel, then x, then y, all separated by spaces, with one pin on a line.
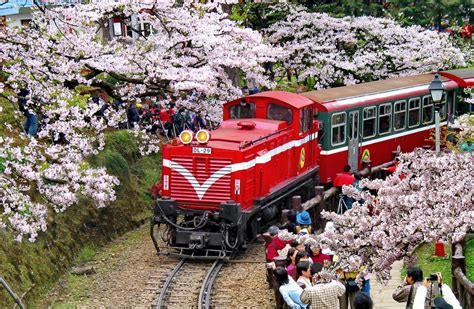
pixel 291 294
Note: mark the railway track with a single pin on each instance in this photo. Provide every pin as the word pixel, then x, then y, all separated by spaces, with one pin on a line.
pixel 189 285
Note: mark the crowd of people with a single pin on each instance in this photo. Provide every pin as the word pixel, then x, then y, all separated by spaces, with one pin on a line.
pixel 311 277
pixel 303 282
pixel 166 120
pixel 306 282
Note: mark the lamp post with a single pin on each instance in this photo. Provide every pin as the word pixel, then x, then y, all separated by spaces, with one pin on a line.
pixel 436 89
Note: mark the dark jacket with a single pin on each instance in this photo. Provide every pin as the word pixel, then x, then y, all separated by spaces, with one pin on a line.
pixel 132 114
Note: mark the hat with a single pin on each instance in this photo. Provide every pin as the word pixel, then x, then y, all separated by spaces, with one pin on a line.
pixel 273 230
pixel 303 218
pixel 442 304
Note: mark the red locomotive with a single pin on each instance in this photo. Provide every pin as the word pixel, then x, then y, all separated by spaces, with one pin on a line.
pixel 221 187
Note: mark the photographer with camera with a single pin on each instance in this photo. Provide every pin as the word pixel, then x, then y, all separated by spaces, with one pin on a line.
pixel 406 291
pixel 434 294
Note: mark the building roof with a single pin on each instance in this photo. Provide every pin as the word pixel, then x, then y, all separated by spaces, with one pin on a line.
pixel 13 7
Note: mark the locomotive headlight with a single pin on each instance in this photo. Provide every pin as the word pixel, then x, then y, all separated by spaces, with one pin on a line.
pixel 186 137
pixel 203 136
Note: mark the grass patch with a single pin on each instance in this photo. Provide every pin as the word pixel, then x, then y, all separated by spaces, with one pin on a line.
pixel 469 254
pixel 148 171
pixel 123 142
pixel 86 254
pixel 7 115
pixel 432 264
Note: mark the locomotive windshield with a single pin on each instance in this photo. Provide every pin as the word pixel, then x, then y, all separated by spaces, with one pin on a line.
pixel 243 110
pixel 278 112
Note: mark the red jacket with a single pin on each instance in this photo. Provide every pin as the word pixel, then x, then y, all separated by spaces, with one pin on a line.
pixel 320 258
pixel 273 247
pixel 164 116
pixel 343 179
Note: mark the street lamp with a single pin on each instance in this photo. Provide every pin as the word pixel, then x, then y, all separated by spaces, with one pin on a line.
pixel 436 89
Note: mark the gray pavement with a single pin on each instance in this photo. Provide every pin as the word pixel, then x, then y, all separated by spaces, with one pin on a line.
pixel 382 294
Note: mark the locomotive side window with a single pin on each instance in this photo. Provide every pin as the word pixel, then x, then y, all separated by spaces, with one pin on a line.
pixel 368 121
pixel 243 110
pixel 338 129
pixel 413 112
pixel 385 118
pixel 399 115
pixel 278 112
pixel 306 120
pixel 428 110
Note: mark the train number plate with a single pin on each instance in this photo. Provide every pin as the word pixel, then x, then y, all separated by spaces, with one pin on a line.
pixel 202 150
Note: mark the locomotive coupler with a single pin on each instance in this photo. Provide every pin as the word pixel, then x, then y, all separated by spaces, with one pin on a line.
pixel 198 240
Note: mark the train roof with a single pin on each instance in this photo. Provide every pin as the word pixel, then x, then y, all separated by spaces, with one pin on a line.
pixel 463 77
pixel 384 90
pixel 358 90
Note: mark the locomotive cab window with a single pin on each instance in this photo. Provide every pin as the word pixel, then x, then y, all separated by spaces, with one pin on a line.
pixel 368 121
pixel 278 112
pixel 338 129
pixel 413 112
pixel 385 118
pixel 399 115
pixel 306 120
pixel 242 110
pixel 428 110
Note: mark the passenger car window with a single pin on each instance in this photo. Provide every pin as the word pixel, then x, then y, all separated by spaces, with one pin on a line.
pixel 399 115
pixel 428 110
pixel 385 117
pixel 413 112
pixel 338 129
pixel 368 121
pixel 443 109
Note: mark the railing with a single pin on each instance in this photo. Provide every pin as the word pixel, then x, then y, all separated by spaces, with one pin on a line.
pixel 11 292
pixel 462 287
pixel 329 200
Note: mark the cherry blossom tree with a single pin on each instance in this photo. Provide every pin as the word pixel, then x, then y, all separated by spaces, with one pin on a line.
pixel 428 198
pixel 186 59
pixel 343 51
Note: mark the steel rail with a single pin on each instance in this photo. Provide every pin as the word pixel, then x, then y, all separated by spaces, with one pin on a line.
pixel 204 300
pixel 166 285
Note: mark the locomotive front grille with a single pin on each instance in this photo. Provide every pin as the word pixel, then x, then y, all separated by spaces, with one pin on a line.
pixel 183 188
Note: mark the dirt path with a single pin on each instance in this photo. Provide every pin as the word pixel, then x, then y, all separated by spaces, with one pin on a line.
pixel 130 274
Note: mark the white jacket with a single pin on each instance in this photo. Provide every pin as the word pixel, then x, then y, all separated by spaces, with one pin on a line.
pixel 419 302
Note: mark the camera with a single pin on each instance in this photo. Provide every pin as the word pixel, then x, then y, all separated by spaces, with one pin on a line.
pixel 433 277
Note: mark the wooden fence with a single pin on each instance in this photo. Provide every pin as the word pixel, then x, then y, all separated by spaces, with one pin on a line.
pixel 462 287
pixel 329 200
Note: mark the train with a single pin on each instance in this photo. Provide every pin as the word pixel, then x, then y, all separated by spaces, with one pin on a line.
pixel 220 188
